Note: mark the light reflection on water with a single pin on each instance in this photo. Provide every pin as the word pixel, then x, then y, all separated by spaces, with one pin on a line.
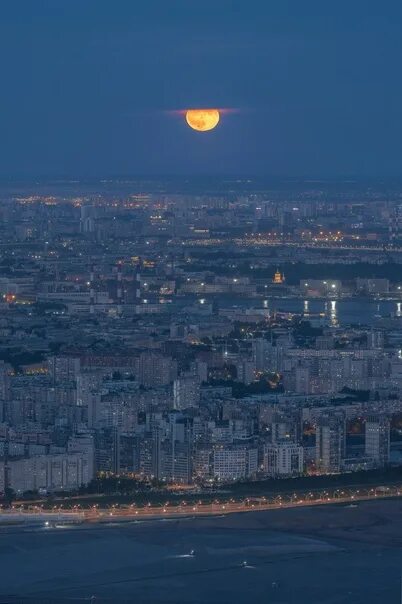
pixel 340 311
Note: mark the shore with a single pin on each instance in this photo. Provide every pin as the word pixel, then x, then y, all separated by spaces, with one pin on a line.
pixel 77 514
pixel 343 553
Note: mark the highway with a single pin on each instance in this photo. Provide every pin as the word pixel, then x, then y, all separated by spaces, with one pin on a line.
pixel 116 512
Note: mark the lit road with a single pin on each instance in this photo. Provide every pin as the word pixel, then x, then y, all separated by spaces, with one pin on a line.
pixel 260 242
pixel 116 512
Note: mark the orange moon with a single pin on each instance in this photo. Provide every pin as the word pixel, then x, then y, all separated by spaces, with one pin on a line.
pixel 202 119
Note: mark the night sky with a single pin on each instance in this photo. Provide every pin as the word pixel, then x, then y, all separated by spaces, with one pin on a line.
pixel 87 87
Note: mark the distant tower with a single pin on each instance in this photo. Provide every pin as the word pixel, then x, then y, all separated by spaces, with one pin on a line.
pixel 278 277
pixel 137 284
pixel 170 265
pixel 57 272
pixel 92 290
pixel 119 288
pixel 395 225
pixel 87 222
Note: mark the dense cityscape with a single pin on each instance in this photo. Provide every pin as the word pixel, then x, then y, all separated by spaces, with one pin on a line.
pixel 198 335
pixel 200 302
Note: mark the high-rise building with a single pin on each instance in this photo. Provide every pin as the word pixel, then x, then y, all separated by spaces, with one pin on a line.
pixel 263 355
pixel 176 461
pixel 156 370
pixel 86 384
pixel 234 462
pixel 107 450
pixel 330 442
pixel 83 444
pixel 283 459
pixel 50 472
pixel 186 392
pixel 377 439
pixel 63 369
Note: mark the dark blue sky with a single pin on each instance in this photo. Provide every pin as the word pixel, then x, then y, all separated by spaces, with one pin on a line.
pixel 86 85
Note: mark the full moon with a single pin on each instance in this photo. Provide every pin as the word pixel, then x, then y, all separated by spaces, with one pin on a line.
pixel 202 119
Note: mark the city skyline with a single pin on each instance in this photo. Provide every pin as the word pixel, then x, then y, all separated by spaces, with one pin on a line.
pixel 200 301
